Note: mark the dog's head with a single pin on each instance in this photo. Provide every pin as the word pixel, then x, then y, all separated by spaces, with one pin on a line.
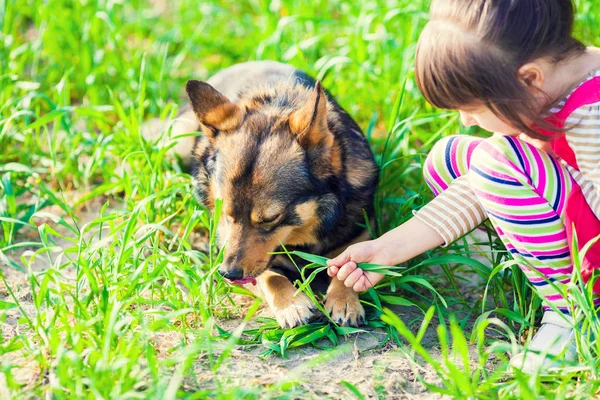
pixel 274 151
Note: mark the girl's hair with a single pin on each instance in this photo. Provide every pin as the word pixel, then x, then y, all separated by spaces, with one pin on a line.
pixel 470 52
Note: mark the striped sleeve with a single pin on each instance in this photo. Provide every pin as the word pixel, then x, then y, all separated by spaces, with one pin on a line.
pixel 583 135
pixel 455 212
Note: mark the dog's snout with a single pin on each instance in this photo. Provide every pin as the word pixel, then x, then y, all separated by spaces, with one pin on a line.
pixel 232 274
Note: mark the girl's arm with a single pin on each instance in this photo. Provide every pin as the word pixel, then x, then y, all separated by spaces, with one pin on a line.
pixel 452 214
pixel 410 239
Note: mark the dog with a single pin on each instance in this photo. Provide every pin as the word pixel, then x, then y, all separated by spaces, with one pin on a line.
pixel 291 168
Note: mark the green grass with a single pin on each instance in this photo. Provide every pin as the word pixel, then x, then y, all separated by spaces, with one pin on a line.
pixel 78 80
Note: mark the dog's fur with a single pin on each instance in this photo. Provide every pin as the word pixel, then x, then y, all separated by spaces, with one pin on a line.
pixel 292 167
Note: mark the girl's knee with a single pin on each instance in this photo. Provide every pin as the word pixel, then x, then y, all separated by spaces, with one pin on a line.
pixel 495 158
pixel 435 170
pixel 441 153
pixel 438 152
pixel 497 148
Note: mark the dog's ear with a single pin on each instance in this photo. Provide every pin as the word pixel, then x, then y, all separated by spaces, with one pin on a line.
pixel 215 112
pixel 310 121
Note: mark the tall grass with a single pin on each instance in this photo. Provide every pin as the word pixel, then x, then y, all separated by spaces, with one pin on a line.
pixel 121 305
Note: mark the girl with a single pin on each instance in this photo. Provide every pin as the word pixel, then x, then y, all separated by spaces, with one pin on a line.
pixel 514 68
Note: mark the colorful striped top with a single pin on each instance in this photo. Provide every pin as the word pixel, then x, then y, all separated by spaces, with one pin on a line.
pixel 456 211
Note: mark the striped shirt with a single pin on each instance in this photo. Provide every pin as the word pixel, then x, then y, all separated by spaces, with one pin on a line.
pixel 456 211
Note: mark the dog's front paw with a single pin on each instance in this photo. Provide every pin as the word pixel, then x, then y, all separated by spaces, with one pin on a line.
pixel 298 310
pixel 345 308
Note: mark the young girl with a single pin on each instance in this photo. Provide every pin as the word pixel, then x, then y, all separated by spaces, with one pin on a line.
pixel 514 68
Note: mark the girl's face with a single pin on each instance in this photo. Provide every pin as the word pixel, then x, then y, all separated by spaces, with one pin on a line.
pixel 484 118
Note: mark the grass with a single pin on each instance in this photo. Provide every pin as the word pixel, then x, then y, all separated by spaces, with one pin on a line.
pixel 78 80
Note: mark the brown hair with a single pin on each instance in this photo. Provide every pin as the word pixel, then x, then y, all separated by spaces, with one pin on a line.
pixel 470 53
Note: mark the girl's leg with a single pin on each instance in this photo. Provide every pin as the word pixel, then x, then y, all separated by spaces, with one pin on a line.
pixel 524 191
pixel 455 211
pixel 449 160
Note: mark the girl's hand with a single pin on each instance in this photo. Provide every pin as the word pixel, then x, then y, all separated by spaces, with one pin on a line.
pixel 345 269
pixel 398 245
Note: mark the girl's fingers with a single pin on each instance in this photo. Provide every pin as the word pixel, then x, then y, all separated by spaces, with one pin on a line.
pixel 340 260
pixel 332 271
pixel 361 284
pixel 372 278
pixel 353 277
pixel 346 270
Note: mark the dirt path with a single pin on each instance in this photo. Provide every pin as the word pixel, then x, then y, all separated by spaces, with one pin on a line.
pixel 376 367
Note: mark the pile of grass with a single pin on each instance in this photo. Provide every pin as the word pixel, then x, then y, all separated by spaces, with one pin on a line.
pixel 78 80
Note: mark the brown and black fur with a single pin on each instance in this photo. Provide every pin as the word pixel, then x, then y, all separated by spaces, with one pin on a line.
pixel 292 167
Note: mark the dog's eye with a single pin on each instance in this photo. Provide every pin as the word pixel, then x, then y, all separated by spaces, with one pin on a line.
pixel 271 222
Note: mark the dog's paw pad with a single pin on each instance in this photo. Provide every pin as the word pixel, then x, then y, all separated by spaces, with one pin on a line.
pixel 345 310
pixel 300 311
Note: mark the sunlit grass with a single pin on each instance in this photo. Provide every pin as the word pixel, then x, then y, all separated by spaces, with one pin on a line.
pixel 121 304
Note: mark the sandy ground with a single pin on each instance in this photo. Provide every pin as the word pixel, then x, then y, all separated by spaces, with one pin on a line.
pixel 378 368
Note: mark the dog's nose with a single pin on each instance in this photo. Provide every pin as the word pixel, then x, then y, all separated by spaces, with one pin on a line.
pixel 233 274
